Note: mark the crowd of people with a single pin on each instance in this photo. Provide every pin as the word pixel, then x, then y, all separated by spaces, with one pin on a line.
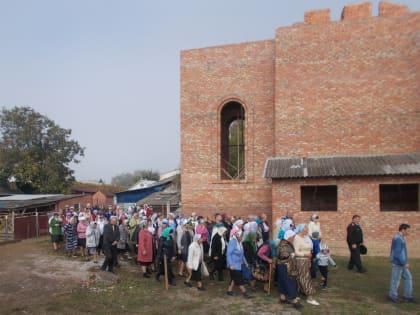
pixel 205 247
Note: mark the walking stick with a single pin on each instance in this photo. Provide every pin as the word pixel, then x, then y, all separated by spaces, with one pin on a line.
pixel 165 267
pixel 269 278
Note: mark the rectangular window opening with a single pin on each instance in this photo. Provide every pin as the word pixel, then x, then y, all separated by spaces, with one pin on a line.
pixel 399 197
pixel 319 198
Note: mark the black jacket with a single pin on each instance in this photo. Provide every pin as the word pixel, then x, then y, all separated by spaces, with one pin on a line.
pixel 166 247
pixel 216 246
pixel 354 234
pixel 111 234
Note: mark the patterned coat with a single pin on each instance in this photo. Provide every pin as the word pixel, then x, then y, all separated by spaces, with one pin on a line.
pixel 70 231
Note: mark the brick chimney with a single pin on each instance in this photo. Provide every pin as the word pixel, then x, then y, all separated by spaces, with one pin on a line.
pixel 317 16
pixel 357 11
pixel 391 9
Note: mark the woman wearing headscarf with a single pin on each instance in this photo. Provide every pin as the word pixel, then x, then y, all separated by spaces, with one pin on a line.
pixel 185 240
pixel 201 229
pixel 218 252
pixel 81 234
pixel 92 240
pixel 70 231
pixel 145 248
pixel 237 226
pixel 235 259
pixel 264 227
pixel 303 251
pixel 286 270
pixel 152 230
pixel 249 244
pixel 195 261
pixel 166 248
pixel 122 244
pixel 263 261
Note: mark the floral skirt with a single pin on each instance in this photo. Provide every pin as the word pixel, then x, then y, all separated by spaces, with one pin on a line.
pixel 303 278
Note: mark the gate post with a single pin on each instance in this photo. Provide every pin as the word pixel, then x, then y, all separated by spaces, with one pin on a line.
pixel 36 224
pixel 6 228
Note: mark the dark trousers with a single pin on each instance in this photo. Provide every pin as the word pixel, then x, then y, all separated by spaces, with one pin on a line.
pixel 110 257
pixel 324 272
pixel 101 244
pixel 162 269
pixel 218 266
pixel 355 259
pixel 314 269
pixel 285 284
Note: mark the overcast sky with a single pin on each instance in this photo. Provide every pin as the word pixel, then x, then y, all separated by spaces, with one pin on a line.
pixel 109 70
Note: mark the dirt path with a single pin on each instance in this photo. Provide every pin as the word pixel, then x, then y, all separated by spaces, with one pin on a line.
pixel 32 274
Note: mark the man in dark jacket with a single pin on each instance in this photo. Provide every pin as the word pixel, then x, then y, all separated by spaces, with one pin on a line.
pixel 354 241
pixel 111 237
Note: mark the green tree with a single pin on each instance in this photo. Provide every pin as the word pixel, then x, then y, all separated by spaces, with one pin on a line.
pixel 35 152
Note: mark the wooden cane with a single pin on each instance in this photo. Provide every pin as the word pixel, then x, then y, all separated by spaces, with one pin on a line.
pixel 165 267
pixel 269 278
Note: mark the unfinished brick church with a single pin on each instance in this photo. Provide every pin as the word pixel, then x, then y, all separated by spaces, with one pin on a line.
pixel 324 118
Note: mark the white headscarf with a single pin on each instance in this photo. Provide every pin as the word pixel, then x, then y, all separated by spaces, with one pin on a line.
pixel 151 229
pixel 221 230
pixel 196 237
pixel 235 237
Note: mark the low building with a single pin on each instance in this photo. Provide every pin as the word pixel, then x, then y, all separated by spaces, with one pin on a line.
pixel 26 216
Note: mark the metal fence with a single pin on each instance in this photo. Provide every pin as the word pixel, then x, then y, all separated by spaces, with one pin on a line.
pixel 18 226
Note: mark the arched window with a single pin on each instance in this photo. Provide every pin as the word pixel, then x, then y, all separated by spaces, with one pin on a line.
pixel 232 141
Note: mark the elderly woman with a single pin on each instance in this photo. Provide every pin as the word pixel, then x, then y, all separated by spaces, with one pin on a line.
pixel 166 249
pixel 122 245
pixel 145 248
pixel 235 259
pixel 264 260
pixel 184 238
pixel 92 240
pixel 195 261
pixel 201 229
pixel 249 244
pixel 70 231
pixel 286 270
pixel 81 234
pixel 237 226
pixel 303 252
pixel 218 252
pixel 55 225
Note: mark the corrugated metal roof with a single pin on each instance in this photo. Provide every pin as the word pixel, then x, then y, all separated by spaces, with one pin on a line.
pixel 161 198
pixel 339 166
pixel 31 201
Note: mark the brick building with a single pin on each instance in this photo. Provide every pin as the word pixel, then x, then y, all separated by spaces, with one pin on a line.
pixel 323 118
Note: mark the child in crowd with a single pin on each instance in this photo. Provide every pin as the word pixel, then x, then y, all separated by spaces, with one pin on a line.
pixel 324 259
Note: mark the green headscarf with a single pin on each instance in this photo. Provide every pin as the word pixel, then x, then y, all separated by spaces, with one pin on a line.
pixel 166 233
pixel 249 238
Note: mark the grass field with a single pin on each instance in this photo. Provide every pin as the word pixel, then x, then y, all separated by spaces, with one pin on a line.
pixel 348 293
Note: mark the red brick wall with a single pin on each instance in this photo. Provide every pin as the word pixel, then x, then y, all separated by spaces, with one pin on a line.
pixel 319 88
pixel 348 87
pixel 209 78
pixel 354 196
pixel 101 200
pixel 83 200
